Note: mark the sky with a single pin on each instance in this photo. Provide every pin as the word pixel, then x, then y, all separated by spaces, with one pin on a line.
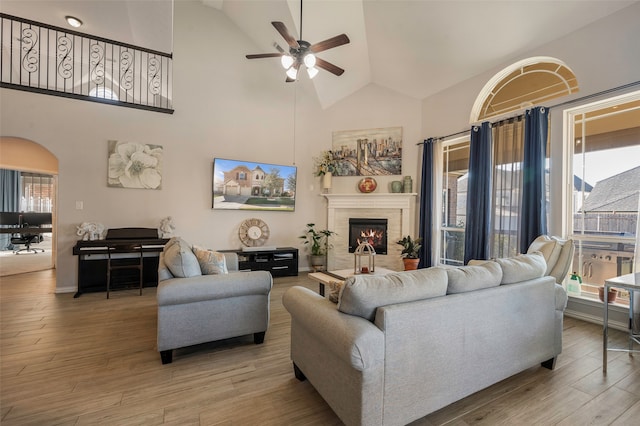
pixel 223 165
pixel 600 165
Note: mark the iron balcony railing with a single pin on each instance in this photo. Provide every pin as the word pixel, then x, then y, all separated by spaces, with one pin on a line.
pixel 41 58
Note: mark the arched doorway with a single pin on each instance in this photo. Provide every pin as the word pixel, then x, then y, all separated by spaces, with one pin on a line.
pixel 32 164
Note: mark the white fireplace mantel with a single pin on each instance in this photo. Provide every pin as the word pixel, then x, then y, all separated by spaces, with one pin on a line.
pixel 401 201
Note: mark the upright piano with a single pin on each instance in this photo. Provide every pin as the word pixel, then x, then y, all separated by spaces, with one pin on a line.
pixel 92 256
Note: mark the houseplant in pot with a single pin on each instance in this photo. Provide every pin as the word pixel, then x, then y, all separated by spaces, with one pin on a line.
pixel 410 252
pixel 317 241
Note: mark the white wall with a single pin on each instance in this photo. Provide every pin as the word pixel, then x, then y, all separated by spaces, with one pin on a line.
pixel 225 106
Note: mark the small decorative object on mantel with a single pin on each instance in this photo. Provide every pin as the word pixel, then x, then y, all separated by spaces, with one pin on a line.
pixel 396 186
pixel 325 166
pixel 326 182
pixel 364 250
pixel 166 227
pixel 90 231
pixel 407 186
pixel 367 185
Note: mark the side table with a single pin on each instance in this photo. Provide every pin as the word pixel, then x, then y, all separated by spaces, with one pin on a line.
pixel 629 282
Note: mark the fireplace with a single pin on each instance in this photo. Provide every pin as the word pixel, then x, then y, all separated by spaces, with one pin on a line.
pixel 372 231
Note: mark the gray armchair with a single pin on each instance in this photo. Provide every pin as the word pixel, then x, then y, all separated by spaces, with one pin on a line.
pixel 206 308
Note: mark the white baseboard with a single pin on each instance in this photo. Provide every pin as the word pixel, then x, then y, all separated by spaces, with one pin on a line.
pixel 60 290
pixel 591 311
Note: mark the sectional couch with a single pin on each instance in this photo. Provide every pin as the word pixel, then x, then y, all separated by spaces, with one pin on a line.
pixel 398 347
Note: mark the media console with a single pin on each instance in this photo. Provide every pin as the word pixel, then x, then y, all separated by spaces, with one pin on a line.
pixel 280 261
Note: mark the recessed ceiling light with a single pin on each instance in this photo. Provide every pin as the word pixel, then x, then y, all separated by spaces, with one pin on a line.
pixel 73 21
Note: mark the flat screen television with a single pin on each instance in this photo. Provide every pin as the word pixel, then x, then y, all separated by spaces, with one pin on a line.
pixel 249 185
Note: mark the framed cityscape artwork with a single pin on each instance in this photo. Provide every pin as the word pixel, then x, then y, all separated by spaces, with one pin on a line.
pixel 369 152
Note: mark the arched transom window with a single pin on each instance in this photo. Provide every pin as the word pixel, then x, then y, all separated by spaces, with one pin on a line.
pixel 522 85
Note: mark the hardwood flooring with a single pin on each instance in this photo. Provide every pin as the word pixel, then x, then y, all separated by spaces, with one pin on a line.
pixel 90 360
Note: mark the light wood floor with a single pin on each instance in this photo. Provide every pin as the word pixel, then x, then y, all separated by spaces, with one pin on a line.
pixel 90 360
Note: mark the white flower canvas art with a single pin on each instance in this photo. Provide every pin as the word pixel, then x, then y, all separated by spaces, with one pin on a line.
pixel 135 165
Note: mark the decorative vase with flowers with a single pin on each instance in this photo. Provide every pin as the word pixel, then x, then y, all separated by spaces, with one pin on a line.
pixel 325 166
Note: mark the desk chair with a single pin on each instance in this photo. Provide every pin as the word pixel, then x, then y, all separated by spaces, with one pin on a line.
pixel 130 263
pixel 26 239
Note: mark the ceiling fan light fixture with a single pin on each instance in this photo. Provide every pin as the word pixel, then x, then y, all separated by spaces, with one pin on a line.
pixel 292 73
pixel 73 21
pixel 312 71
pixel 310 60
pixel 286 61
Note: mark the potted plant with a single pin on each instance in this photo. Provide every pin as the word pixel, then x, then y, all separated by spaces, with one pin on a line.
pixel 410 252
pixel 317 241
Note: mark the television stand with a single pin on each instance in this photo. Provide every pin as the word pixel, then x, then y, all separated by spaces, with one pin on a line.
pixel 280 261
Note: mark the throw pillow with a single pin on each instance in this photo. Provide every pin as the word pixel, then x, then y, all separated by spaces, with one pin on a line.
pixel 522 267
pixel 363 294
pixel 163 272
pixel 560 269
pixel 550 249
pixel 211 262
pixel 334 290
pixel 180 259
pixel 470 278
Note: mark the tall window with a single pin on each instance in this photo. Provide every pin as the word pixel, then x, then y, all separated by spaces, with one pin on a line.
pixel 455 167
pixel 508 153
pixel 36 192
pixel 520 86
pixel 604 164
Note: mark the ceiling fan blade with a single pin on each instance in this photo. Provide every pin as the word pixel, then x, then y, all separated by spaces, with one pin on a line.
pixel 264 55
pixel 321 63
pixel 282 29
pixel 330 43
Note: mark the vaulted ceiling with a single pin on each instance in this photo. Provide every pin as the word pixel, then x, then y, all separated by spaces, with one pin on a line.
pixel 414 47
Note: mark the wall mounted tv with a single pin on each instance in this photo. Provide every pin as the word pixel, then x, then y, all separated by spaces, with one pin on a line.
pixel 247 185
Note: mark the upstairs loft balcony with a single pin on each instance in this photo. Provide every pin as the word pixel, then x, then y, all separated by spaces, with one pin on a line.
pixel 41 58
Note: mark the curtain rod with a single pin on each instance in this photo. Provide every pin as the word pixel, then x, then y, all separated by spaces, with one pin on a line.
pixel 462 132
pixel 593 95
pixel 583 98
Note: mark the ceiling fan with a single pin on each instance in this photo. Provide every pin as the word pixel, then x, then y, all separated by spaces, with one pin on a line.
pixel 302 52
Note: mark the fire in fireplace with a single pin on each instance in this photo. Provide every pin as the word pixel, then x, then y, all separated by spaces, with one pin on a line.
pixel 372 231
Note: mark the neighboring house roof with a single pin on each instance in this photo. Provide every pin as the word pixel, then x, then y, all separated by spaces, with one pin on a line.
pixel 577 185
pixel 618 193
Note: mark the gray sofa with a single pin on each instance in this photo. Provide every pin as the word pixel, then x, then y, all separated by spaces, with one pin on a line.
pixel 401 346
pixel 200 308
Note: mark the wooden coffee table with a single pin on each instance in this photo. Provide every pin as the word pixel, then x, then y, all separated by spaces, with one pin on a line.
pixel 325 277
